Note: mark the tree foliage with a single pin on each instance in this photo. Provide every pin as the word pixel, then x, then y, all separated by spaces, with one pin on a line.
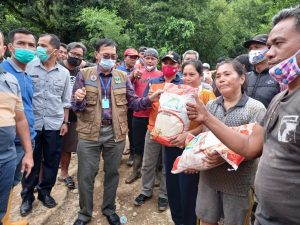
pixel 215 28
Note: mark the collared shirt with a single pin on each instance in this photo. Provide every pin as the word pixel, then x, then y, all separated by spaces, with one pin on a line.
pixel 133 100
pixel 52 94
pixel 123 67
pixel 26 87
pixel 247 110
pixel 10 101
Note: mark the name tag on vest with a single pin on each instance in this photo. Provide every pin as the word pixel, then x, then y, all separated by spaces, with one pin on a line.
pixel 91 83
pixel 119 85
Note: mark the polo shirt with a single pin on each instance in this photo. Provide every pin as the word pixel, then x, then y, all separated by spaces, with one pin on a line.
pixel 26 87
pixel 239 182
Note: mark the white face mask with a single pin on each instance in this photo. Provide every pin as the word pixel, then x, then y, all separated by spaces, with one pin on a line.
pixel 150 68
pixel 257 56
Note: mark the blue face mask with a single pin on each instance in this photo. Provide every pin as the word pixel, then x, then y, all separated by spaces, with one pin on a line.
pixel 42 54
pixel 24 55
pixel 107 64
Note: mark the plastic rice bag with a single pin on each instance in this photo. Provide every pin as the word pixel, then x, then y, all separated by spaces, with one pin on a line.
pixel 172 116
pixel 193 156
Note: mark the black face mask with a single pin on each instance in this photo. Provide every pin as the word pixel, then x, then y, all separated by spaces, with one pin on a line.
pixel 73 61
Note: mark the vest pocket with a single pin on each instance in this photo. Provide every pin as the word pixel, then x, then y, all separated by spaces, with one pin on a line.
pixel 91 95
pixel 120 96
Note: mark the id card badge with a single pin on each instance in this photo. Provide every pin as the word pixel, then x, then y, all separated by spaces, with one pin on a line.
pixel 105 103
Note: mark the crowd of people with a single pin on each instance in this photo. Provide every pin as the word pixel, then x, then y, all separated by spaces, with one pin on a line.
pixel 54 103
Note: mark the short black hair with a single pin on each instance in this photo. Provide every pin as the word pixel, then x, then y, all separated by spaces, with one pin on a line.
pixel 288 13
pixel 244 60
pixel 105 42
pixel 12 33
pixel 238 68
pixel 196 63
pixel 73 45
pixel 54 40
pixel 63 45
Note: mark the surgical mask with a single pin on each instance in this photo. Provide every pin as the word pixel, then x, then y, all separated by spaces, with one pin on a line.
pixel 286 71
pixel 257 56
pixel 107 64
pixel 24 55
pixel 150 68
pixel 73 61
pixel 169 71
pixel 42 54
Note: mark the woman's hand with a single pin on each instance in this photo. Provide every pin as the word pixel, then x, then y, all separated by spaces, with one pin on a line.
pixel 191 171
pixel 179 140
pixel 213 158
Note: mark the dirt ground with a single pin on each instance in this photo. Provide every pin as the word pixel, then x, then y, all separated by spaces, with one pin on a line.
pixel 65 213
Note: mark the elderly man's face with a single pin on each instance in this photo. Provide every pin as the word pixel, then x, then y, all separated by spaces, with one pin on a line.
pixel 189 57
pixel 283 42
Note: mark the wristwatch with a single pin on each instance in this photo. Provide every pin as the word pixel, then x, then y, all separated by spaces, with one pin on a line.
pixel 67 122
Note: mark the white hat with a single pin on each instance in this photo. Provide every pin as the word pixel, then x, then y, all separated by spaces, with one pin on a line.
pixel 206 65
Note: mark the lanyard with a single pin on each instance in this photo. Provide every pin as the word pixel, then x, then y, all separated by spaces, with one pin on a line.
pixel 103 86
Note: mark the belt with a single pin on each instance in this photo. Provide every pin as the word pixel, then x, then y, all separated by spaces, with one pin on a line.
pixel 106 122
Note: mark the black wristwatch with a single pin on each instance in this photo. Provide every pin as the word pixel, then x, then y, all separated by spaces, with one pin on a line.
pixel 67 122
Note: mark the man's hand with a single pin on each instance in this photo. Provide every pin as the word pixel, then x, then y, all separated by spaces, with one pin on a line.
pixel 156 95
pixel 179 140
pixel 63 129
pixel 27 163
pixel 80 94
pixel 137 74
pixel 197 112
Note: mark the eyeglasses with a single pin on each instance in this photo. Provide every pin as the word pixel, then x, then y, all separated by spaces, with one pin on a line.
pixel 107 56
pixel 72 54
pixel 132 56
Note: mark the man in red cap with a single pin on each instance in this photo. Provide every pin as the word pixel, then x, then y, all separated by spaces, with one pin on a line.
pixel 130 57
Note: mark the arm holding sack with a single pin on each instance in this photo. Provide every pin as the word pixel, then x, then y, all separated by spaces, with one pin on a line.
pixel 248 146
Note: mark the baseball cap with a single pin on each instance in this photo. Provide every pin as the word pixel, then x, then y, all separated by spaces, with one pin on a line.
pixel 142 49
pixel 173 56
pixel 131 51
pixel 260 39
pixel 151 52
pixel 206 65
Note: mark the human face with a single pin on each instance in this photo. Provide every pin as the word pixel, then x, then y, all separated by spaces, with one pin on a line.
pixel 25 41
pixel 106 52
pixel 283 42
pixel 76 52
pixel 191 77
pixel 62 54
pixel 228 81
pixel 141 54
pixel 44 42
pixel 169 62
pixel 150 61
pixel 189 57
pixel 130 60
pixel 256 46
pixel 2 47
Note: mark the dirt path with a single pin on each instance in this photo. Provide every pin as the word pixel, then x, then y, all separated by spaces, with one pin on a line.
pixel 65 213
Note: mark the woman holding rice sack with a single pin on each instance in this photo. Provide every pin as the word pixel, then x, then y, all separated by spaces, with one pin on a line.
pixel 223 193
pixel 182 188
